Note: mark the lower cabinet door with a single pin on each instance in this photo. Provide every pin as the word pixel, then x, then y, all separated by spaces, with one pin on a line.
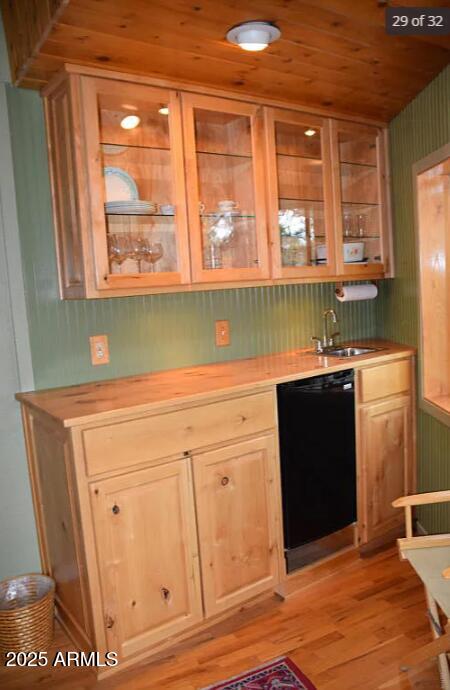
pixel 386 464
pixel 238 516
pixel 148 555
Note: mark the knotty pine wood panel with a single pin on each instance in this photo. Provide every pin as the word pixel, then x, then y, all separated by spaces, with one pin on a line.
pixel 329 55
pixel 151 438
pixel 149 569
pixel 168 390
pixel 26 26
pixel 387 379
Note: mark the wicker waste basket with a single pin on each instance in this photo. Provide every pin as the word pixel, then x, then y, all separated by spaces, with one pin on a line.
pixel 26 613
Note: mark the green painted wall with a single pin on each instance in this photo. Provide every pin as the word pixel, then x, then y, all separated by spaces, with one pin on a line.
pixel 421 128
pixel 152 332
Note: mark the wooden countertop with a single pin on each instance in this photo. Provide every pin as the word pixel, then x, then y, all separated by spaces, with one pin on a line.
pixel 75 405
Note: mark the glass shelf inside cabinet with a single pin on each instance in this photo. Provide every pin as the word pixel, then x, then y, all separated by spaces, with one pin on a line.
pixel 360 196
pixel 140 211
pixel 301 216
pixel 226 190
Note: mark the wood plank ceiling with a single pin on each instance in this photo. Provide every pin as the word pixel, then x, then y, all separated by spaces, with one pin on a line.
pixel 333 54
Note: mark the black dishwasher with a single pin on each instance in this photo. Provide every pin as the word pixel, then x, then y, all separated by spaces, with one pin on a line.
pixel 318 465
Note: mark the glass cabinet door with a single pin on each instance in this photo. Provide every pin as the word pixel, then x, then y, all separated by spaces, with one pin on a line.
pixel 136 183
pixel 299 194
pixel 360 198
pixel 225 189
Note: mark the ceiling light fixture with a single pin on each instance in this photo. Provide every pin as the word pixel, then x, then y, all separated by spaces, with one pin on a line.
pixel 253 36
pixel 130 121
pixel 164 110
pixel 310 132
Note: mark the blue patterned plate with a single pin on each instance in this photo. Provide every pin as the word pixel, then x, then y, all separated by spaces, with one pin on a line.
pixel 119 185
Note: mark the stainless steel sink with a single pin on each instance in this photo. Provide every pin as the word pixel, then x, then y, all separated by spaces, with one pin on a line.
pixel 349 351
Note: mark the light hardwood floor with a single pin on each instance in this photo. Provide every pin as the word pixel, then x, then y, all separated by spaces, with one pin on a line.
pixel 346 632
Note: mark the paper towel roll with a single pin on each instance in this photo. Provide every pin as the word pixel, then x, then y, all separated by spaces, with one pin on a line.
pixel 353 293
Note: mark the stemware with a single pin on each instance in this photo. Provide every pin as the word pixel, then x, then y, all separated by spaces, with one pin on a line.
pixel 138 245
pixel 118 248
pixel 153 252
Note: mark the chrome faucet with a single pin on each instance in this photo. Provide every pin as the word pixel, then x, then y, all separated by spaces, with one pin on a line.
pixel 327 340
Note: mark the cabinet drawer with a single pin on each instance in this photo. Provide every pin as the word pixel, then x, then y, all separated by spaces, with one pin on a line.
pixel 122 444
pixel 387 379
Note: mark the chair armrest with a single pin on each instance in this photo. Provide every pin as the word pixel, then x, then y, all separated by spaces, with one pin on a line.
pixel 422 499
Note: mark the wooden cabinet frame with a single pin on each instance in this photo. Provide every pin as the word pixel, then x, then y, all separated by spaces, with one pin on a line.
pixel 78 189
pixel 382 391
pixel 358 271
pixel 105 494
pixel 73 501
pixel 200 274
pixel 90 87
pixel 271 116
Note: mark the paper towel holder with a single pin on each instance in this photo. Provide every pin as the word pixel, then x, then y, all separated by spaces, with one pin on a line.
pixel 340 284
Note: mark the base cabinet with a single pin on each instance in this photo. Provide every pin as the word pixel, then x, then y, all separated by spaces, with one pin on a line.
pixel 148 558
pixel 155 523
pixel 238 521
pixel 386 447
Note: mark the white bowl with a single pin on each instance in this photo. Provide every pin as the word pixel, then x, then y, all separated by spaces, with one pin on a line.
pixel 353 251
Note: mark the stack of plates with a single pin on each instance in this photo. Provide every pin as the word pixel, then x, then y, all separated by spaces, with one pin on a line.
pixel 132 207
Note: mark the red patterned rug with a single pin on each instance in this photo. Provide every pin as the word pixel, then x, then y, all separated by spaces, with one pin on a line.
pixel 281 674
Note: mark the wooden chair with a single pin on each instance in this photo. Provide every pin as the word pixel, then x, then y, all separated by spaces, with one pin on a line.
pixel 430 558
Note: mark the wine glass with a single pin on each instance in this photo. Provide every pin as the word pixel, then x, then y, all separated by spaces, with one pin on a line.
pixel 118 248
pixel 138 245
pixel 153 253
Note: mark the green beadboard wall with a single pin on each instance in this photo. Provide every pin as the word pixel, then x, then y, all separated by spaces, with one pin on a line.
pixel 151 332
pixel 421 128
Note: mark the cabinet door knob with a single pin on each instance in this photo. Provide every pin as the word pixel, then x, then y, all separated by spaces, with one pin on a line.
pixel 224 481
pixel 115 509
pixel 109 621
pixel 165 593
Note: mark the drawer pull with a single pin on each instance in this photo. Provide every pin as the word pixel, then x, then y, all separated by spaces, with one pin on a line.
pixel 165 593
pixel 224 481
pixel 115 509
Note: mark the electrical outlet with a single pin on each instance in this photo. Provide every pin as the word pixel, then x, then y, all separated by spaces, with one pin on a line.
pixel 222 333
pixel 99 349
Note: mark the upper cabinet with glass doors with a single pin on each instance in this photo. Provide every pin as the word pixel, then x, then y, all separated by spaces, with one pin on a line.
pixel 156 190
pixel 225 189
pixel 138 205
pixel 299 195
pixel 127 189
pixel 360 197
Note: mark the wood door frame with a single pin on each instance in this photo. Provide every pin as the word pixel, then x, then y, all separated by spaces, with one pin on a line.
pixel 271 116
pixel 421 166
pixel 367 270
pixel 190 101
pixel 90 88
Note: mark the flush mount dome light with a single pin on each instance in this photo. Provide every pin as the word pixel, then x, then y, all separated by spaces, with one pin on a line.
pixel 253 35
pixel 130 121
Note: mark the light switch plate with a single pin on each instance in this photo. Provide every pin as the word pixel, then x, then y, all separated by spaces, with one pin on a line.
pixel 99 349
pixel 222 333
